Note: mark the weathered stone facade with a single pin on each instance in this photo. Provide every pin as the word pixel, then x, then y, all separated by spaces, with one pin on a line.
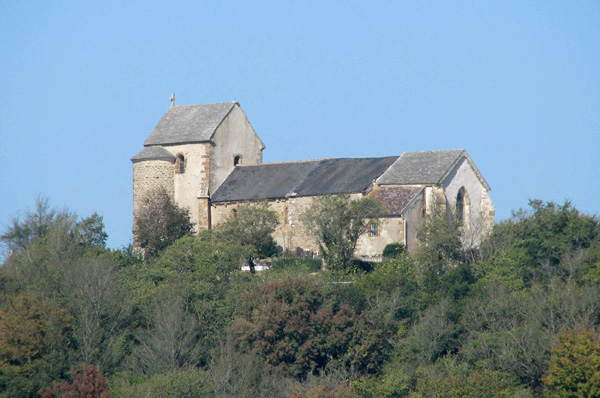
pixel 191 166
pixel 209 158
pixel 151 175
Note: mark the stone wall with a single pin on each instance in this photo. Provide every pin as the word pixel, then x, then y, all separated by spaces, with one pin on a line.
pixel 389 230
pixel 193 183
pixel 150 175
pixel 235 137
pixel 479 217
pixel 290 234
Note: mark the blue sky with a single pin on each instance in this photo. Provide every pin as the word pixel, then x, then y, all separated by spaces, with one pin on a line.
pixel 516 84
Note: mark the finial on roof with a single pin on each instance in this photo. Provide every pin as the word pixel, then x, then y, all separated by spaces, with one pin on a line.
pixel 173 99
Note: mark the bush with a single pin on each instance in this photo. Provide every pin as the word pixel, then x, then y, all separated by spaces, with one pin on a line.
pixel 300 264
pixel 393 250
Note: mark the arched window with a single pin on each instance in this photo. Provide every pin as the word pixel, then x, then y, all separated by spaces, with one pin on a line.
pixel 180 164
pixel 461 205
pixel 237 160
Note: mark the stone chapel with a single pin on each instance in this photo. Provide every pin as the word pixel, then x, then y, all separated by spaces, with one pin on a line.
pixel 209 159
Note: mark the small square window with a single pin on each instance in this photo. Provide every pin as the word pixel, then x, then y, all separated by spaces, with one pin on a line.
pixel 374 230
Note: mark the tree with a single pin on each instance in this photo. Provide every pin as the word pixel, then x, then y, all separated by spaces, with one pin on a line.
pixel 393 250
pixel 290 324
pixel 59 227
pixel 337 222
pixel 450 379
pixel 89 382
pixel 441 240
pixel 575 366
pixel 100 309
pixel 160 222
pixel 170 339
pixel 252 227
pixel 190 382
pixel 35 337
pixel 546 241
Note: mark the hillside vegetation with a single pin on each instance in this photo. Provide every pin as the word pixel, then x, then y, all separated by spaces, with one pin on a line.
pixel 516 317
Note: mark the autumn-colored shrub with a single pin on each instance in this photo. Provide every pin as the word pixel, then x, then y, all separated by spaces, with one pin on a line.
pixel 290 324
pixel 88 382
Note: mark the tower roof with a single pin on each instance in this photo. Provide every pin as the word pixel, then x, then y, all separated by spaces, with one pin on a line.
pixel 189 123
pixel 153 153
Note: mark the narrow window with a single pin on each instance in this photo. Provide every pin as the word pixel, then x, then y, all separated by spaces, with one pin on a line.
pixel 374 230
pixel 237 160
pixel 234 213
pixel 180 164
pixel 460 205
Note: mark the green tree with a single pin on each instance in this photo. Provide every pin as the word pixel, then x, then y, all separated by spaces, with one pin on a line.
pixel 575 366
pixel 35 337
pixel 160 222
pixel 337 222
pixel 175 383
pixel 252 227
pixel 545 241
pixel 60 227
pixel 393 250
pixel 192 291
pixel 449 379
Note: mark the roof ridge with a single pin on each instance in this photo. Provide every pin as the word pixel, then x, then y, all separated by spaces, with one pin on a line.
pixel 212 103
pixel 295 161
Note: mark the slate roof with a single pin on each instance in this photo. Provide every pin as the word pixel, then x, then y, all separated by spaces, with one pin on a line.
pixel 395 199
pixel 153 153
pixel 315 177
pixel 429 167
pixel 189 123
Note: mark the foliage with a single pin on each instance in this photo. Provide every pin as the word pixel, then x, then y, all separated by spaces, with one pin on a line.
pixel 548 240
pixel 45 221
pixel 176 383
pixel 295 263
pixel 34 339
pixel 252 227
pixel 244 375
pixel 393 250
pixel 187 292
pixel 446 322
pixel 390 295
pixel 101 310
pixel 289 324
pixel 160 222
pixel 575 366
pixel 447 379
pixel 88 382
pixel 441 241
pixel 322 391
pixel 336 223
pixel 394 382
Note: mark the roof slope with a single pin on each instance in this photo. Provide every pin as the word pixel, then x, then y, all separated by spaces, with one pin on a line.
pixel 395 199
pixel 315 177
pixel 429 167
pixel 189 123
